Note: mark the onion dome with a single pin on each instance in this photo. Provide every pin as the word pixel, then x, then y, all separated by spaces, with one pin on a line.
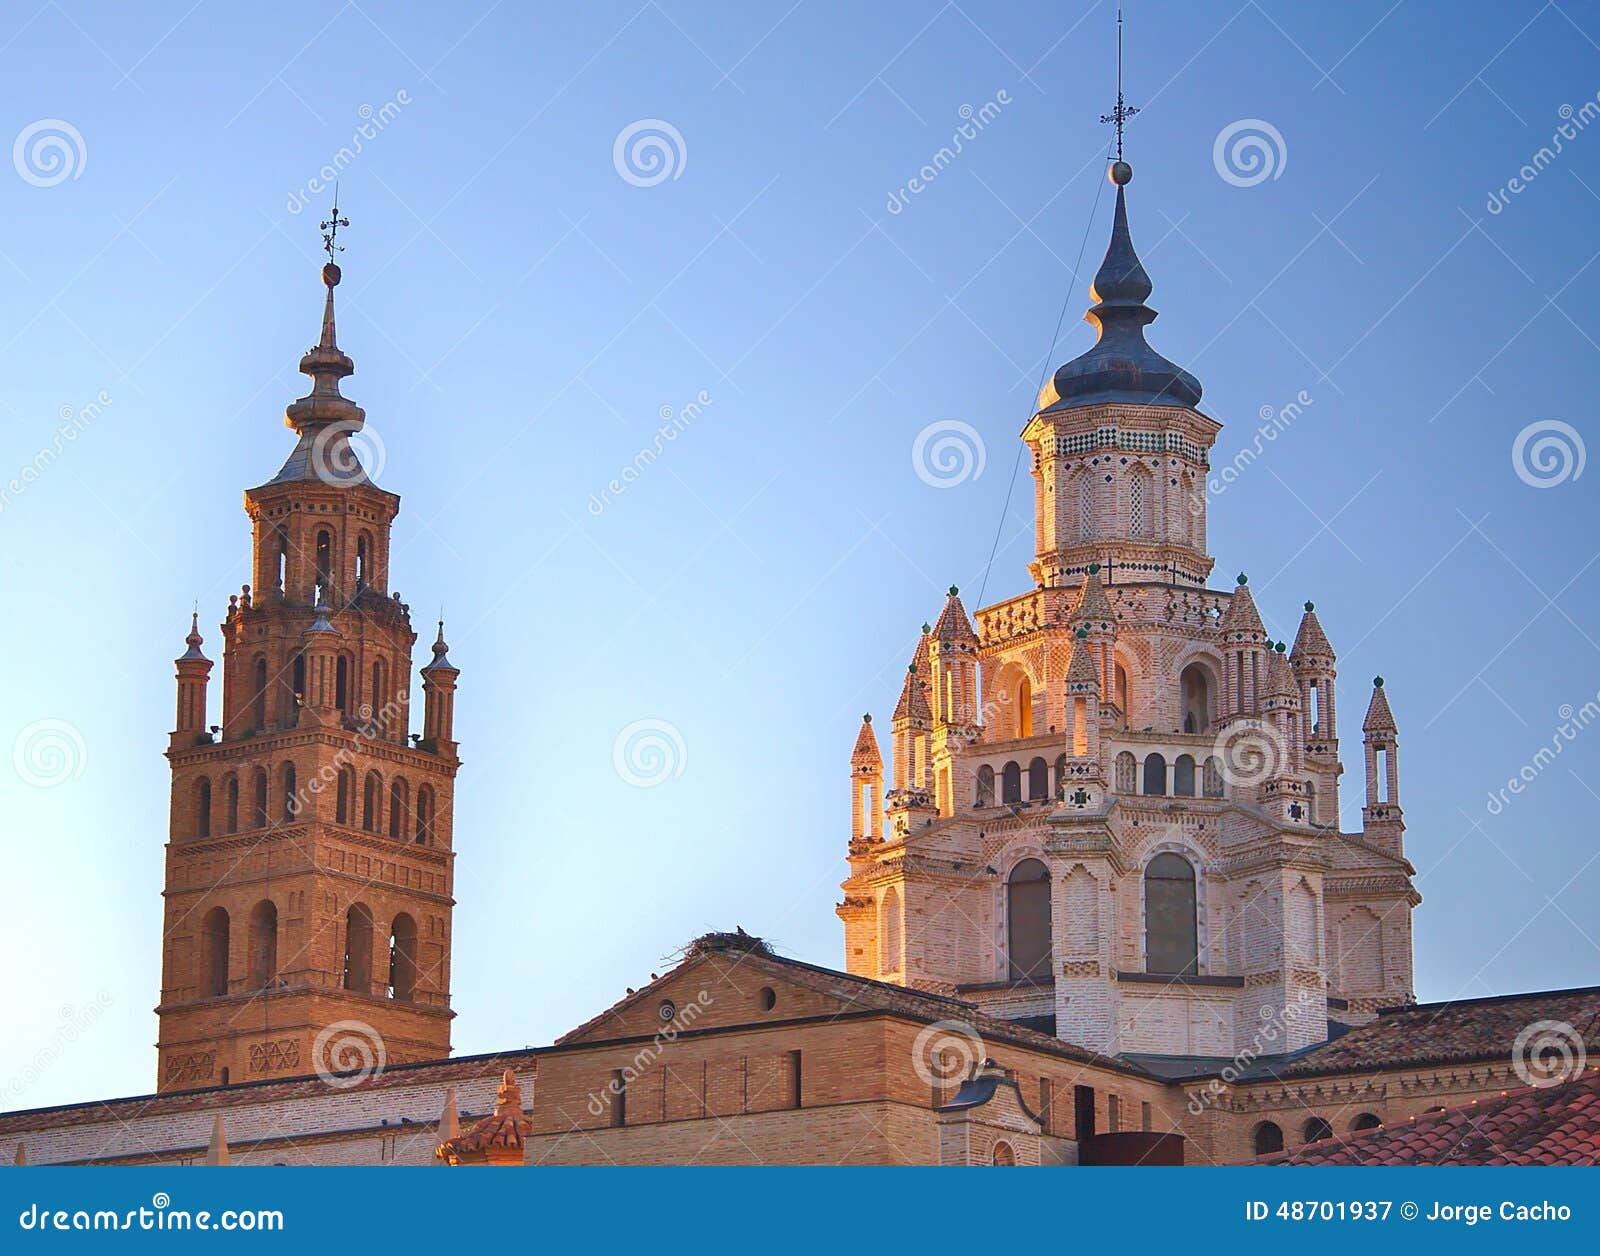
pixel 194 641
pixel 866 752
pixel 953 623
pixel 1242 621
pixel 1093 604
pixel 1120 367
pixel 1380 719
pixel 441 658
pixel 1311 643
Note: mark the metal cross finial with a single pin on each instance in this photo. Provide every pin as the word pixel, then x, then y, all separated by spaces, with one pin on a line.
pixel 330 229
pixel 1122 112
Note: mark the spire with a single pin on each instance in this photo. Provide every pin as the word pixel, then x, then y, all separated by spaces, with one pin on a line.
pixel 1093 603
pixel 1280 676
pixel 1380 719
pixel 21 1156
pixel 866 752
pixel 953 623
pixel 1242 618
pixel 913 702
pixel 449 1120
pixel 217 1151
pixel 1311 643
pixel 1120 367
pixel 194 641
pixel 441 658
pixel 1080 668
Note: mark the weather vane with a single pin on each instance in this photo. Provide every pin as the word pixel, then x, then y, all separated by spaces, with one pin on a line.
pixel 330 229
pixel 1122 112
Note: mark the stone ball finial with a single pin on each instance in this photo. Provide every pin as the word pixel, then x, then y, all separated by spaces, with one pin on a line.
pixel 331 274
pixel 1377 682
pixel 1121 173
pixel 1311 606
pixel 954 590
pixel 1243 579
pixel 867 719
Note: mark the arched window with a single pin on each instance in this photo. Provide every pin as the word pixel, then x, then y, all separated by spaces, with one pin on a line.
pixel 985 786
pixel 890 930
pixel 231 805
pixel 378 700
pixel 371 802
pixel 1038 780
pixel 280 567
pixel 291 799
pixel 1011 783
pixel 1268 1139
pixel 344 795
pixel 1004 1156
pixel 341 684
pixel 1086 520
pixel 1194 687
pixel 1311 801
pixel 399 809
pixel 403 958
pixel 1024 708
pixel 425 815
pixel 1061 776
pixel 1213 777
pixel 297 680
pixel 202 807
pixel 324 565
pixel 1141 505
pixel 263 944
pixel 1028 920
pixel 358 949
pixel 1127 773
pixel 363 558
pixel 1183 776
pixel 1155 774
pixel 1365 1121
pixel 1171 932
pixel 1124 694
pixel 214 953
pixel 1317 1129
pixel 259 810
pixel 258 697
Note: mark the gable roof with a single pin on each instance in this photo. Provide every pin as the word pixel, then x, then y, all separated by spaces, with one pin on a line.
pixel 1534 1125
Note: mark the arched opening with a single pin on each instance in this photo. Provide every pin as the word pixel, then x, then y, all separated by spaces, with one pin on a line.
pixel 297 681
pixel 378 699
pixel 358 949
pixel 1365 1121
pixel 1061 776
pixel 214 953
pixel 1183 776
pixel 1123 692
pixel 1314 708
pixel 263 944
pixel 985 787
pixel 280 565
pixel 258 696
pixel 341 684
pixel 403 958
pixel 425 815
pixel 1171 923
pixel 1194 688
pixel 1155 774
pixel 1311 801
pixel 399 809
pixel 1038 780
pixel 1317 1129
pixel 324 566
pixel 1024 708
pixel 259 808
pixel 1028 920
pixel 1004 1156
pixel 344 795
pixel 371 802
pixel 1011 783
pixel 291 799
pixel 363 558
pixel 1213 777
pixel 890 930
pixel 231 805
pixel 1268 1138
pixel 1141 504
pixel 1127 773
pixel 202 807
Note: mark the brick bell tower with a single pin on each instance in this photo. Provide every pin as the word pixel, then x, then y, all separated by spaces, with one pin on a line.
pixel 309 866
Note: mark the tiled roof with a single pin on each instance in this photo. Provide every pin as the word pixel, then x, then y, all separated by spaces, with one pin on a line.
pixel 1444 1033
pixel 1550 1125
pixel 866 750
pixel 953 623
pixel 504 1129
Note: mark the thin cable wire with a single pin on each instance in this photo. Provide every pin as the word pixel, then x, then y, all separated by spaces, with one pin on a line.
pixel 1061 318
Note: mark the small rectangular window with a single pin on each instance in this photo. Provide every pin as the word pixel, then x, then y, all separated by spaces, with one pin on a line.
pixel 797 1092
pixel 1114 1114
pixel 619 1099
pixel 1083 1111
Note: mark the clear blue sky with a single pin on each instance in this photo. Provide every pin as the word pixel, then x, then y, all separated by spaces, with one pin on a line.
pixel 520 314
